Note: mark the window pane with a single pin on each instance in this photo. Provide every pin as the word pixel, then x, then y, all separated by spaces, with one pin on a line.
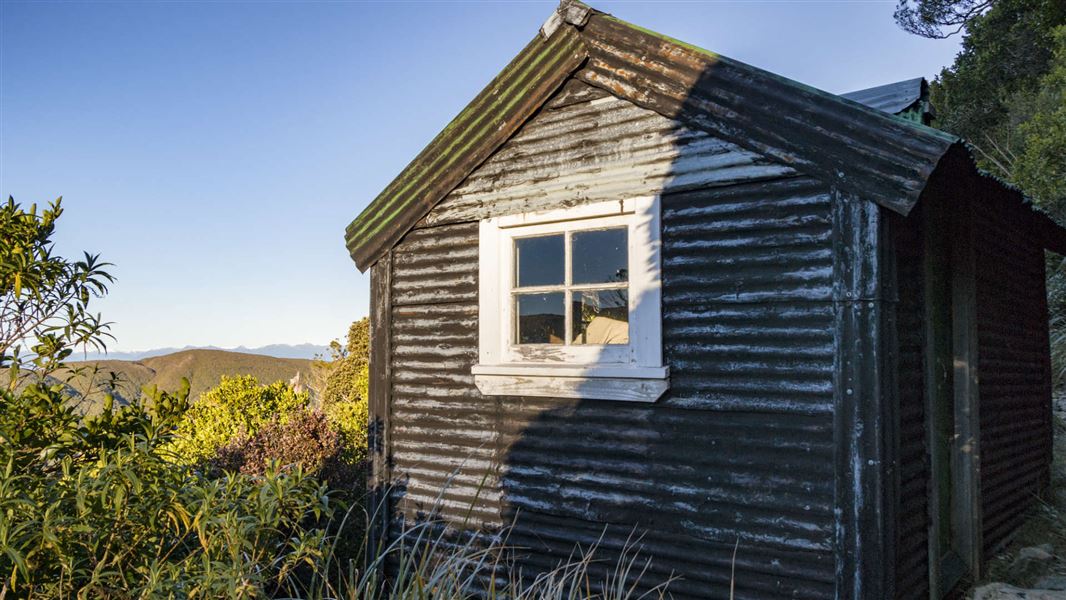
pixel 601 317
pixel 600 256
pixel 541 318
pixel 539 260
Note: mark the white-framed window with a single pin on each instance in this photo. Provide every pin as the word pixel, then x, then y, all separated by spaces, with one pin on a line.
pixel 570 303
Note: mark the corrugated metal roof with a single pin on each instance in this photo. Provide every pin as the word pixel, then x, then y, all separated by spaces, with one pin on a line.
pixel 892 98
pixel 862 151
pixel 858 149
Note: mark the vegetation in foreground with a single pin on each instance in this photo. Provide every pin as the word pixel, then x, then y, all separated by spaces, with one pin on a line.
pixel 254 491
pixel 102 507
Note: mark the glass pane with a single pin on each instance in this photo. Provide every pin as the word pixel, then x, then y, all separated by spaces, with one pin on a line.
pixel 539 260
pixel 541 318
pixel 600 256
pixel 601 317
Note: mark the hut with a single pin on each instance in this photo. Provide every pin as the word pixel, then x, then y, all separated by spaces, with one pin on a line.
pixel 637 287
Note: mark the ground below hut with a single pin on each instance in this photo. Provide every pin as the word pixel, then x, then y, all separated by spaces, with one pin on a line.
pixel 1034 566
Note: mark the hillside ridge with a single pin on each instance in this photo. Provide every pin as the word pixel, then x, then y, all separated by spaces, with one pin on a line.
pixel 202 367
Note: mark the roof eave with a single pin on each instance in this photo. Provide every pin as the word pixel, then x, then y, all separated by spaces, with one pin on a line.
pixel 483 126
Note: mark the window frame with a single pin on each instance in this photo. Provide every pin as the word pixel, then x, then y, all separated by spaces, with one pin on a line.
pixel 568 352
pixel 632 371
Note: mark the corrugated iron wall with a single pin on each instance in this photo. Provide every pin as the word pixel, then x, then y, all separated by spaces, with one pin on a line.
pixel 739 450
pixel 912 547
pixel 1013 366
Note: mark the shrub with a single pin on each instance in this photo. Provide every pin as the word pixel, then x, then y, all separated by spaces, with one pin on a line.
pixel 97 508
pixel 342 392
pixel 45 298
pixel 350 418
pixel 239 406
pixel 306 441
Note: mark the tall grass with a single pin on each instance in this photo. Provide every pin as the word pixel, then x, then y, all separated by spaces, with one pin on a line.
pixel 1056 292
pixel 433 559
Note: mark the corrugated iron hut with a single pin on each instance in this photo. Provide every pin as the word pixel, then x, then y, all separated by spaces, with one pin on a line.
pixel 636 285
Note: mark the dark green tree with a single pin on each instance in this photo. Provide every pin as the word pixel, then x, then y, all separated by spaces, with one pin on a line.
pixel 996 84
pixel 1006 95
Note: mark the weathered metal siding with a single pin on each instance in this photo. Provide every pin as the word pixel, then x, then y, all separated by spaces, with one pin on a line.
pixel 593 151
pixel 866 153
pixel 740 448
pixel 912 548
pixel 1013 365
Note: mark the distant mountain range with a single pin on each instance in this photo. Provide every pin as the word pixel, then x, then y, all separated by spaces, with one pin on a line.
pixel 202 367
pixel 304 351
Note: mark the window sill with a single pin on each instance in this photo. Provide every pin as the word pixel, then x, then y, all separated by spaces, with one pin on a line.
pixel 630 384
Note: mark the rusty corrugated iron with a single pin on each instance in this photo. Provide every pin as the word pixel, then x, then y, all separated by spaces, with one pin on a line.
pixel 1013 365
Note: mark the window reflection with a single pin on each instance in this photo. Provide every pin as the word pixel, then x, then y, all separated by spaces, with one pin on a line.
pixel 600 256
pixel 539 260
pixel 541 318
pixel 600 317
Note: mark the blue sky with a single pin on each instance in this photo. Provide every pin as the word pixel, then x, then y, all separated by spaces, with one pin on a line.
pixel 214 151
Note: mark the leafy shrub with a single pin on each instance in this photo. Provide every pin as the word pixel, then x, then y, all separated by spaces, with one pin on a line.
pixel 306 441
pixel 342 391
pixel 97 508
pixel 350 418
pixel 239 406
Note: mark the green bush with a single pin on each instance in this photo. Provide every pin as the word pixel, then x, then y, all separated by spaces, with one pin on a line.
pixel 342 389
pixel 239 406
pixel 350 418
pixel 98 508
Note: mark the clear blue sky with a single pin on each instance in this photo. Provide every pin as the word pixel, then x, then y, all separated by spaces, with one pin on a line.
pixel 215 151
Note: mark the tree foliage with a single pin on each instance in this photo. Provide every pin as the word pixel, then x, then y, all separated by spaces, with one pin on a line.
pixel 1000 93
pixel 1041 167
pixel 44 298
pixel 346 375
pixel 1006 95
pixel 344 389
pixel 939 18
